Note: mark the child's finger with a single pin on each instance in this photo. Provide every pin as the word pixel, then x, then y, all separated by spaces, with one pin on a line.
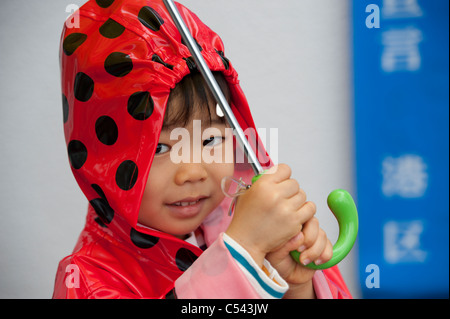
pixel 306 212
pixel 326 254
pixel 278 173
pixel 292 244
pixel 290 188
pixel 315 251
pixel 310 231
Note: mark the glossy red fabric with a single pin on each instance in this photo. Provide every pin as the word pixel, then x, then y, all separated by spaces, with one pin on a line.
pixel 117 69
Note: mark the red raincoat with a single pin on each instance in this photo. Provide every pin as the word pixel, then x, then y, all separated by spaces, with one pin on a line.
pixel 117 70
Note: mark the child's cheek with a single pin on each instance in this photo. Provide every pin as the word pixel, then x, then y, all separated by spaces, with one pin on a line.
pixel 223 170
pixel 228 151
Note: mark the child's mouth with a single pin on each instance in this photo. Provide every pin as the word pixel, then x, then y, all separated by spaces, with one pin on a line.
pixel 187 207
pixel 188 201
pixel 185 203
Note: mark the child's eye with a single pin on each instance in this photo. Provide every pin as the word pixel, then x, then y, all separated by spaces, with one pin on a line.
pixel 213 141
pixel 162 148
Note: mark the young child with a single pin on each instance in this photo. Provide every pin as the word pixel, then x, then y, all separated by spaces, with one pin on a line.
pixel 158 225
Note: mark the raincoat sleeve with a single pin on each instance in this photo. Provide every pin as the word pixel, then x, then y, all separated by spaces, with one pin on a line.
pixel 226 270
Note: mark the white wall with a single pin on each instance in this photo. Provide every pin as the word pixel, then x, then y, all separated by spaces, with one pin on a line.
pixel 294 61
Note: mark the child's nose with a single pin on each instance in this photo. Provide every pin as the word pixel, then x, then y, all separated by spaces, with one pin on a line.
pixel 190 172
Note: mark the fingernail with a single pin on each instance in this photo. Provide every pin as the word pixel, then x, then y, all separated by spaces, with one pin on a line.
pixel 318 262
pixel 301 248
pixel 299 236
pixel 306 261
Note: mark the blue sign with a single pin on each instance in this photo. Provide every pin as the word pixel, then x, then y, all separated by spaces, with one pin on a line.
pixel 401 99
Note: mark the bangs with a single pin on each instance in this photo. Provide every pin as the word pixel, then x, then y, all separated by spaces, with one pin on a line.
pixel 192 96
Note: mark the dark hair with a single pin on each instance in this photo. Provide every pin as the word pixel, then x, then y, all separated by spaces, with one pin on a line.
pixel 192 95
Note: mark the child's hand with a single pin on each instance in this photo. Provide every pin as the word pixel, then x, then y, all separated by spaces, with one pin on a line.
pixel 270 213
pixel 314 246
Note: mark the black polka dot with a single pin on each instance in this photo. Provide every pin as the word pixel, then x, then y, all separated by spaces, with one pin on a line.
pixel 103 210
pixel 225 61
pixel 150 18
pixel 83 87
pixel 106 130
pixel 101 206
pixel 156 58
pixel 142 240
pixel 171 294
pixel 104 3
pixel 111 29
pixel 191 64
pixel 77 153
pixel 99 221
pixel 98 190
pixel 72 42
pixel 118 64
pixel 126 175
pixel 140 105
pixel 184 258
pixel 65 105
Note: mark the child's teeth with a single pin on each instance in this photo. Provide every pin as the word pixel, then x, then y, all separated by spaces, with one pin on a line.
pixel 185 203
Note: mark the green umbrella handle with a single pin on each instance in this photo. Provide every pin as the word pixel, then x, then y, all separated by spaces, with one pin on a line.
pixel 344 210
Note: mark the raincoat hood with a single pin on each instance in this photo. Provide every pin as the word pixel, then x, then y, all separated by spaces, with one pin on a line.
pixel 118 68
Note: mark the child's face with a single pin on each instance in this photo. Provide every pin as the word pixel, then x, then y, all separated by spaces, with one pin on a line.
pixel 179 195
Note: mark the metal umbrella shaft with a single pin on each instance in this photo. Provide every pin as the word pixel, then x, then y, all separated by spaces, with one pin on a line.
pixel 213 86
